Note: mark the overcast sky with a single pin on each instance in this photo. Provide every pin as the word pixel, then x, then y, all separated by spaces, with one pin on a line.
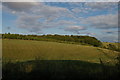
pixel 98 19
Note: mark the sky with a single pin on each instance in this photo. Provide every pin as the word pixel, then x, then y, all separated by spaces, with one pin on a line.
pixel 97 19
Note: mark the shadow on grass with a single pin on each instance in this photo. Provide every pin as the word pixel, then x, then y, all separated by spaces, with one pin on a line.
pixel 57 70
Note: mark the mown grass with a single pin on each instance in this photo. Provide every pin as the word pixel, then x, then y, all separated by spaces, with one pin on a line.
pixel 22 50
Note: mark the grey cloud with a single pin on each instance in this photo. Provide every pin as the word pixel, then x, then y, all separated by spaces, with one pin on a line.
pixel 102 5
pixel 36 16
pixel 20 0
pixel 109 38
pixel 0 6
pixel 89 33
pixel 85 7
pixel 102 21
pixel 65 22
pixel 75 29
pixel 8 27
pixel 81 10
pixel 20 6
pixel 51 13
pixel 29 22
pixel 110 31
pixel 38 8
pixel 36 23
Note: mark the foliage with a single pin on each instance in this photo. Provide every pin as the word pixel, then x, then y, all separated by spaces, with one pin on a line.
pixel 59 38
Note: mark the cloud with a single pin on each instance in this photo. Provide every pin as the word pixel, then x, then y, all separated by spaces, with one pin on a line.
pixel 52 12
pixel 110 31
pixel 28 21
pixel 86 7
pixel 36 16
pixel 20 6
pixel 20 0
pixel 75 29
pixel 61 0
pixel 81 10
pixel 38 8
pixel 35 23
pixel 0 6
pixel 102 21
pixel 102 5
pixel 79 30
pixel 89 33
pixel 110 38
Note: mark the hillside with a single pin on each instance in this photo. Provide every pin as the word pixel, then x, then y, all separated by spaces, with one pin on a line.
pixel 107 43
pixel 20 50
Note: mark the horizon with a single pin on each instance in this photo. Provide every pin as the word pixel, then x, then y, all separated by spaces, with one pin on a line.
pixel 96 19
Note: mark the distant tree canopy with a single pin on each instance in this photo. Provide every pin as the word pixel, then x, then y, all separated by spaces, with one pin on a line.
pixel 65 38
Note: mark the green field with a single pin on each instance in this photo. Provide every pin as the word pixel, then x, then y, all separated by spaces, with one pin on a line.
pixel 56 61
pixel 22 50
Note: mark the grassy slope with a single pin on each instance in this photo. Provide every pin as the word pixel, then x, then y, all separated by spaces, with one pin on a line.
pixel 107 43
pixel 29 50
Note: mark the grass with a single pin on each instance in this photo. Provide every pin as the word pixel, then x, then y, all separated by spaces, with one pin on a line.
pixel 55 61
pixel 23 50
pixel 107 43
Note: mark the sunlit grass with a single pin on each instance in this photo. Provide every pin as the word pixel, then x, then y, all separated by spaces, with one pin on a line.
pixel 21 50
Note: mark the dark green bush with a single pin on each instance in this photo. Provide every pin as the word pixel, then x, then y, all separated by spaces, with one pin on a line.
pixel 58 38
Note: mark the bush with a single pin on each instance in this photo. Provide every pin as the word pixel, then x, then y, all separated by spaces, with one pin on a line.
pixel 57 38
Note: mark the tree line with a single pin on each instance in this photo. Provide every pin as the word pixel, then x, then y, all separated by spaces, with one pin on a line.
pixel 62 38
